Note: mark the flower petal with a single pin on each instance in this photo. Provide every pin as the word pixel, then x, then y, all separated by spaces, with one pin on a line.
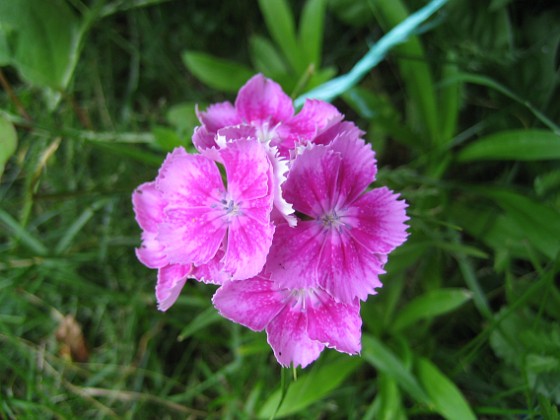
pixel 262 100
pixel 187 181
pixel 192 235
pixel 171 280
pixel 378 220
pixel 248 243
pixel 312 181
pixel 151 253
pixel 357 169
pixel 287 335
pixel 212 272
pixel 330 134
pixel 337 325
pixel 295 254
pixel 218 115
pixel 248 170
pixel 347 270
pixel 194 227
pixel 203 140
pixel 148 205
pixel 252 303
pixel 314 118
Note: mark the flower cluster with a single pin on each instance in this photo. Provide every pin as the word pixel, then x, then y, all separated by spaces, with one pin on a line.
pixel 275 209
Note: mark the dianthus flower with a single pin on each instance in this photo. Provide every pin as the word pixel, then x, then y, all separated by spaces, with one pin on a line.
pixel 290 231
pixel 299 323
pixel 262 110
pixel 191 220
pixel 344 234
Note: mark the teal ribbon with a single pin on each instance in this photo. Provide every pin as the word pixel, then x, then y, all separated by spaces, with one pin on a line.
pixel 400 33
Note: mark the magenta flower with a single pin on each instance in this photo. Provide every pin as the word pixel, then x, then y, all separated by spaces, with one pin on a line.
pixel 343 237
pixel 149 206
pixel 191 220
pixel 299 323
pixel 291 202
pixel 262 110
pixel 262 105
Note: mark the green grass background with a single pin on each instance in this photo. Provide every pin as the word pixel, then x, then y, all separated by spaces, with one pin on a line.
pixel 464 118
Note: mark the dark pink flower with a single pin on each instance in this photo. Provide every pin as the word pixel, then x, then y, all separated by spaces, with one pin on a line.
pixel 344 234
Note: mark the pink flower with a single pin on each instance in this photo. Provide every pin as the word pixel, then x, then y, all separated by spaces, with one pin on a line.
pixel 190 219
pixel 299 323
pixel 344 235
pixel 262 105
pixel 262 110
pixel 149 206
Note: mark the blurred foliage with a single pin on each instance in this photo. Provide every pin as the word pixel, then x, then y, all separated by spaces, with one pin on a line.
pixel 464 119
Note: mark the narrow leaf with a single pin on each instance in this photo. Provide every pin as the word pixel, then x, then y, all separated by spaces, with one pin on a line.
pixel 8 142
pixel 311 387
pixel 492 84
pixel 217 73
pixel 414 70
pixel 281 26
pixel 514 145
pixel 265 57
pixel 541 224
pixel 383 359
pixel 430 305
pixel 311 30
pixel 446 397
pixel 21 234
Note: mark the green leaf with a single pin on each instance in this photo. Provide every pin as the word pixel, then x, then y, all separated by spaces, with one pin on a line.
pixel 492 84
pixel 376 53
pixel 217 73
pixel 430 305
pixel 312 386
pixel 8 142
pixel 166 138
pixel 388 403
pixel 415 72
pixel 540 224
pixel 450 99
pixel 266 58
pixel 446 397
pixel 43 40
pixel 311 30
pixel 183 117
pixel 383 359
pixel 203 319
pixel 280 23
pixel 514 145
pixel 21 234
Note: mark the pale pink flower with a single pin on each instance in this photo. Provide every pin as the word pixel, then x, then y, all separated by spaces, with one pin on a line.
pixel 344 234
pixel 148 206
pixel 299 323
pixel 195 226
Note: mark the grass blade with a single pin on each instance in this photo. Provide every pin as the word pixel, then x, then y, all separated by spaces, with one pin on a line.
pixel 21 234
pixel 446 397
pixel 430 305
pixel 513 145
pixel 217 73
